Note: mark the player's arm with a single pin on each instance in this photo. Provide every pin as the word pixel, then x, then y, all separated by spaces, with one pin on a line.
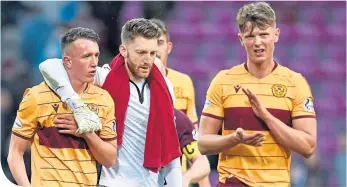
pixel 302 137
pixel 209 141
pixel 200 167
pixel 22 132
pixel 15 160
pixel 105 152
pixel 55 76
pixel 103 146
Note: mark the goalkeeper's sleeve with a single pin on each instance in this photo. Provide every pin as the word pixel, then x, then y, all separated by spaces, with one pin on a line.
pixel 54 74
pixel 173 173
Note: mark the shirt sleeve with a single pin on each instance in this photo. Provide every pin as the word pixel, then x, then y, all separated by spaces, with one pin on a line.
pixel 108 130
pixel 214 99
pixel 184 127
pixel 303 100
pixel 191 109
pixel 26 120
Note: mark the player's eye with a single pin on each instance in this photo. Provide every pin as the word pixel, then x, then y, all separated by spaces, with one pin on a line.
pixel 87 56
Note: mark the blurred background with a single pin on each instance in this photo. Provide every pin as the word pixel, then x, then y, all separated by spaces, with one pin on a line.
pixel 204 34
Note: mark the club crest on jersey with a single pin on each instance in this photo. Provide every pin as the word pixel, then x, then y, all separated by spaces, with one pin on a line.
pixel 179 92
pixel 93 107
pixel 308 104
pixel 279 90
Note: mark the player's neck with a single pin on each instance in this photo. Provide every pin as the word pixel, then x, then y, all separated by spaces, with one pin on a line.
pixel 78 86
pixel 260 70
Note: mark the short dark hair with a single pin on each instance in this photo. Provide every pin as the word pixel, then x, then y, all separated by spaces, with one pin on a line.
pixel 139 27
pixel 77 33
pixel 162 26
pixel 259 14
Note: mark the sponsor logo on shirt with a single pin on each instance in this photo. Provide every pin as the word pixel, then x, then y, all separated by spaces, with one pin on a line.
pixel 55 107
pixel 237 88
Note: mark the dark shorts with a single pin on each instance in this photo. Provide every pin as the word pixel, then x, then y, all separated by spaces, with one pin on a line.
pixel 232 182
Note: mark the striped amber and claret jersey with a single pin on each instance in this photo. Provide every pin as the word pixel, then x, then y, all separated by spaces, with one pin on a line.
pixel 285 94
pixel 184 93
pixel 60 159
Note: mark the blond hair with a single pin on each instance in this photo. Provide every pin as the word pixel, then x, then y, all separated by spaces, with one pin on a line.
pixel 259 14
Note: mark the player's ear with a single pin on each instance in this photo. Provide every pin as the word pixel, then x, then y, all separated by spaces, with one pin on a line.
pixel 240 38
pixel 277 35
pixel 123 50
pixel 67 61
pixel 169 47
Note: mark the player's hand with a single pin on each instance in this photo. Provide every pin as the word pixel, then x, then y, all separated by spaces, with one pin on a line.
pixel 254 139
pixel 87 120
pixel 66 124
pixel 185 181
pixel 259 110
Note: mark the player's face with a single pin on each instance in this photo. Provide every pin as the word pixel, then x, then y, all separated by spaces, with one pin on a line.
pixel 260 43
pixel 83 57
pixel 139 56
pixel 164 49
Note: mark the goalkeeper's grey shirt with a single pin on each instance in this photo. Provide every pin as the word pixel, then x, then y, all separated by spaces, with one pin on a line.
pixel 128 170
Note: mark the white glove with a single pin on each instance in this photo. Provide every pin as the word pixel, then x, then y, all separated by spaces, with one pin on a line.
pixel 87 120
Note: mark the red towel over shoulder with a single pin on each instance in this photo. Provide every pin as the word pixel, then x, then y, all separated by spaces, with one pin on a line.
pixel 162 145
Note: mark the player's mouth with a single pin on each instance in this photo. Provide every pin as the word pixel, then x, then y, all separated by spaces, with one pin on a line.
pixel 92 73
pixel 144 68
pixel 259 52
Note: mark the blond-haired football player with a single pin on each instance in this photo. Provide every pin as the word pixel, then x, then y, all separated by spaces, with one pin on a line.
pixel 265 109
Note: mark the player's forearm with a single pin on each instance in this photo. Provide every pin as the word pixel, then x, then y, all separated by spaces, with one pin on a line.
pixel 295 140
pixel 54 74
pixel 104 152
pixel 198 170
pixel 17 167
pixel 215 144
